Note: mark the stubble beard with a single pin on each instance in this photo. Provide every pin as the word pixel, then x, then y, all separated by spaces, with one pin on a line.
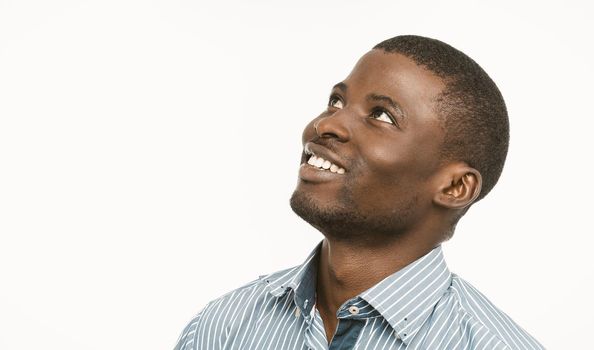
pixel 344 220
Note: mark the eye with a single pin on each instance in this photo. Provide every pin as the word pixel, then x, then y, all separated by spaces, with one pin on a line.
pixel 381 114
pixel 335 102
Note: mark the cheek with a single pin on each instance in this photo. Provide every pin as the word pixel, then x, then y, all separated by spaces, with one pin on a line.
pixel 388 160
pixel 402 163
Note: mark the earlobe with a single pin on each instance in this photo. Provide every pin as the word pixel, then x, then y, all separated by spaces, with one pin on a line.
pixel 460 187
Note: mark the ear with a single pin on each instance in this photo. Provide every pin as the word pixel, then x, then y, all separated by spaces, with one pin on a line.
pixel 459 186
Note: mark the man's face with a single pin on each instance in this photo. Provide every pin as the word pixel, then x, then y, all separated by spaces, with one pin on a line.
pixel 381 128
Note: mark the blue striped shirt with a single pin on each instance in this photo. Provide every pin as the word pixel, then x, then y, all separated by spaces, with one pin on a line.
pixel 422 306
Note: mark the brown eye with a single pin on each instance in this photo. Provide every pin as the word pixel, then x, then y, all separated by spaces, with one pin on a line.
pixel 382 115
pixel 335 102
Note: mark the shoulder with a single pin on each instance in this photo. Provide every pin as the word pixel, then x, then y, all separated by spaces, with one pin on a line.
pixel 224 315
pixel 482 321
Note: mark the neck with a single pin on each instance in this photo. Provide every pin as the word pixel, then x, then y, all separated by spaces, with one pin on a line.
pixel 346 269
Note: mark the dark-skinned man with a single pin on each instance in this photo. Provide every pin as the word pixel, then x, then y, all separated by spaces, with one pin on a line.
pixel 409 140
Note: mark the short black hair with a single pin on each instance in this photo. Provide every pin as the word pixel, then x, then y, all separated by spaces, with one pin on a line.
pixel 470 107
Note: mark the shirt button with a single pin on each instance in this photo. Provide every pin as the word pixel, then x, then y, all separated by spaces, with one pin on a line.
pixel 353 310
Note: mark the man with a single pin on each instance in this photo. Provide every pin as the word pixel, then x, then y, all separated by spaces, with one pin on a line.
pixel 415 135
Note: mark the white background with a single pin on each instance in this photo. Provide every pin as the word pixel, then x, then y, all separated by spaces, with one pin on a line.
pixel 148 150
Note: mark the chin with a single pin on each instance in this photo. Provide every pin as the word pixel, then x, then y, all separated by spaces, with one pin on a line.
pixel 347 222
pixel 333 221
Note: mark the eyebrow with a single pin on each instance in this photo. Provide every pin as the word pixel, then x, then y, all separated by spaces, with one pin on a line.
pixel 377 98
pixel 341 86
pixel 383 98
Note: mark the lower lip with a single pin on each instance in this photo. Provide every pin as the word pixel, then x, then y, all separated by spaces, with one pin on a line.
pixel 313 174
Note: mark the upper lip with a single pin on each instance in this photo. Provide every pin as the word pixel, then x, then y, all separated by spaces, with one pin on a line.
pixel 321 151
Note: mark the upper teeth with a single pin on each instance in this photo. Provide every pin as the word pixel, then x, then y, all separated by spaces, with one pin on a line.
pixel 324 164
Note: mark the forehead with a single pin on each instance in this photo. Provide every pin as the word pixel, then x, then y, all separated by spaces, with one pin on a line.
pixel 412 86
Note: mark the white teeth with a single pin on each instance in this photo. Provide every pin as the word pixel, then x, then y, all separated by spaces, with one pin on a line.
pixel 324 164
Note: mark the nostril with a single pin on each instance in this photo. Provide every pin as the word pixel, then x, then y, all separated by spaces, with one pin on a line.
pixel 333 127
pixel 329 135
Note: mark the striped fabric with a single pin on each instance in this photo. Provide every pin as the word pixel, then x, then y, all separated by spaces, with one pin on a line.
pixel 422 306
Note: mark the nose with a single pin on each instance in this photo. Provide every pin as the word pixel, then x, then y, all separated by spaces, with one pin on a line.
pixel 334 125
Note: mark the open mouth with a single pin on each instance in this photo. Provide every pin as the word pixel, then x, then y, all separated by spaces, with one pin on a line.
pixel 321 163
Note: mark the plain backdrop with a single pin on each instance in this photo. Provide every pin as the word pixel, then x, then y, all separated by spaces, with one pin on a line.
pixel 148 151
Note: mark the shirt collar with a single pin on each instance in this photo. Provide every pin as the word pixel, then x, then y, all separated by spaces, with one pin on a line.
pixel 405 299
pixel 301 279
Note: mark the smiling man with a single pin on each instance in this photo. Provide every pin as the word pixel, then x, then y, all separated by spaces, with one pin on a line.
pixel 410 139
